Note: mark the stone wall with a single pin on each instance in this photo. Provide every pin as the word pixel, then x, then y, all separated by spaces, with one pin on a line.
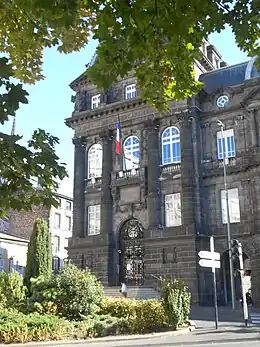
pixel 199 179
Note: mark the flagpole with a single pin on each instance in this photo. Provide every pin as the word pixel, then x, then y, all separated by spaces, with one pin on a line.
pixel 122 154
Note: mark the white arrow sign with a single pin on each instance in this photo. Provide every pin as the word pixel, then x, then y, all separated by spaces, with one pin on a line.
pixel 210 263
pixel 209 255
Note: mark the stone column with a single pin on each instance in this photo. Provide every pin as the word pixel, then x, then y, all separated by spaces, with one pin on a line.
pixel 253 138
pixel 79 186
pixel 187 175
pixel 153 162
pixel 106 222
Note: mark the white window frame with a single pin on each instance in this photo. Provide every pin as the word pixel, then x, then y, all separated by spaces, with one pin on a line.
pixel 95 101
pixel 228 137
pixel 55 224
pixel 68 227
pixel 95 157
pixel 68 205
pixel 174 141
pixel 130 91
pixel 172 206
pixel 94 219
pixel 66 242
pixel 1 259
pixel 233 203
pixel 56 247
pixel 129 161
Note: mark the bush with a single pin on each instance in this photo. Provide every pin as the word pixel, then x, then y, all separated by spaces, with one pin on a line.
pixel 142 316
pixel 70 294
pixel 176 301
pixel 99 326
pixel 17 327
pixel 12 290
pixel 39 254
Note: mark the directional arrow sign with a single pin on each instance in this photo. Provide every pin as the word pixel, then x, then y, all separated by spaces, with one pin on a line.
pixel 209 263
pixel 209 255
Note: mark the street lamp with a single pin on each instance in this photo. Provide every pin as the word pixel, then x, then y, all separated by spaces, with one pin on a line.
pixel 232 283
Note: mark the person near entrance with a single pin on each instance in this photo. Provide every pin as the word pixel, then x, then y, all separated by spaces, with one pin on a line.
pixel 123 290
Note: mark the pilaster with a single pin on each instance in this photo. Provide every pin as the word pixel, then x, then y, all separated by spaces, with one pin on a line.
pixel 153 170
pixel 79 186
pixel 187 174
pixel 107 204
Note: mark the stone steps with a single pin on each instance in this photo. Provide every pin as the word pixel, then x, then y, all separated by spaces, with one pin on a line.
pixel 138 293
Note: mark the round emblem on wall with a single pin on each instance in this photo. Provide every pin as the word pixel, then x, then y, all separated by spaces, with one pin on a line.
pixel 222 100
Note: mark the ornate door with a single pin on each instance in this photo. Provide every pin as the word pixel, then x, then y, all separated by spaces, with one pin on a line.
pixel 131 253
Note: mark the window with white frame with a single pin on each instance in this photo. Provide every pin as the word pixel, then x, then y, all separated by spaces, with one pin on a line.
pixel 233 205
pixel 226 148
pixel 68 205
pixel 57 220
pixel 171 146
pixel 1 259
pixel 95 155
pixel 68 223
pixel 94 220
pixel 130 91
pixel 66 242
pixel 173 210
pixel 131 153
pixel 95 101
pixel 56 244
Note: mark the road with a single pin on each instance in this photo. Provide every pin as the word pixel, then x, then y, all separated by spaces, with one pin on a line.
pixel 231 333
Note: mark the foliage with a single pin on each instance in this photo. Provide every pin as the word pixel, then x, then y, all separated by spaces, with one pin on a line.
pixel 17 327
pixel 142 315
pixel 12 290
pixel 39 254
pixel 100 325
pixel 176 301
pixel 161 37
pixel 70 293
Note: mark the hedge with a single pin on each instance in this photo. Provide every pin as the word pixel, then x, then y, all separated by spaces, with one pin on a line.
pixel 142 316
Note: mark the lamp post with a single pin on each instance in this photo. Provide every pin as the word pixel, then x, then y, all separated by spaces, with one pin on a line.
pixel 232 283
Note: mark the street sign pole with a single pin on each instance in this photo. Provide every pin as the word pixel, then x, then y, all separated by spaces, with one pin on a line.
pixel 241 263
pixel 214 283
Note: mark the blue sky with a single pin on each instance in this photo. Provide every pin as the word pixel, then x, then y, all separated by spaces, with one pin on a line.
pixel 49 100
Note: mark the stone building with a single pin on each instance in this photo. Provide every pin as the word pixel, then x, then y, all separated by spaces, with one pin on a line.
pixel 148 211
pixel 20 225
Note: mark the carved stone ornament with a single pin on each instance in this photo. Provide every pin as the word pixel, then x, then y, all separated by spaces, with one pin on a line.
pixel 152 124
pixel 106 134
pixel 79 141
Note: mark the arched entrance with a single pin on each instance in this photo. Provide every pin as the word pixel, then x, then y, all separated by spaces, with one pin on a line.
pixel 225 296
pixel 131 253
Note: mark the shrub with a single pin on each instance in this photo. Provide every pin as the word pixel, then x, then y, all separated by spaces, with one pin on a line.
pixel 39 254
pixel 176 301
pixel 99 326
pixel 17 327
pixel 141 315
pixel 12 290
pixel 71 293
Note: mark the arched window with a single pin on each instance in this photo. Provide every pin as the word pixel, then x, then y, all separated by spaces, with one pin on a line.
pixel 131 153
pixel 95 161
pixel 171 147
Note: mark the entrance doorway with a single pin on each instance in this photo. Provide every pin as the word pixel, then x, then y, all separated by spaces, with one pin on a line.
pixel 225 296
pixel 131 253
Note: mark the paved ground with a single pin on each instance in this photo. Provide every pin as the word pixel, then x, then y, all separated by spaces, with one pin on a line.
pixel 231 333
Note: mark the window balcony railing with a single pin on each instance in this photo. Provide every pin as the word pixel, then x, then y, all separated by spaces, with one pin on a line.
pixel 229 162
pixel 128 173
pixel 168 169
pixel 91 182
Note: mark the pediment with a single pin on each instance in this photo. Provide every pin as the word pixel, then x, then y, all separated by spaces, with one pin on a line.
pixel 252 99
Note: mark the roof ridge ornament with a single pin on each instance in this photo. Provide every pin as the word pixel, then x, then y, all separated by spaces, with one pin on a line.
pixel 249 68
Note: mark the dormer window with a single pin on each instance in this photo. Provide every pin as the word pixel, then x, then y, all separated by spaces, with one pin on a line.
pixel 95 101
pixel 130 91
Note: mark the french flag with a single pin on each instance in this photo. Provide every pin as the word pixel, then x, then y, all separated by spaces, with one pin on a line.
pixel 118 138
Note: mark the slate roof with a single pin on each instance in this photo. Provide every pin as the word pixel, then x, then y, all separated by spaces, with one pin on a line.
pixel 229 76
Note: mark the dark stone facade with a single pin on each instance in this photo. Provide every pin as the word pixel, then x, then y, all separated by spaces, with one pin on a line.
pixel 170 251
